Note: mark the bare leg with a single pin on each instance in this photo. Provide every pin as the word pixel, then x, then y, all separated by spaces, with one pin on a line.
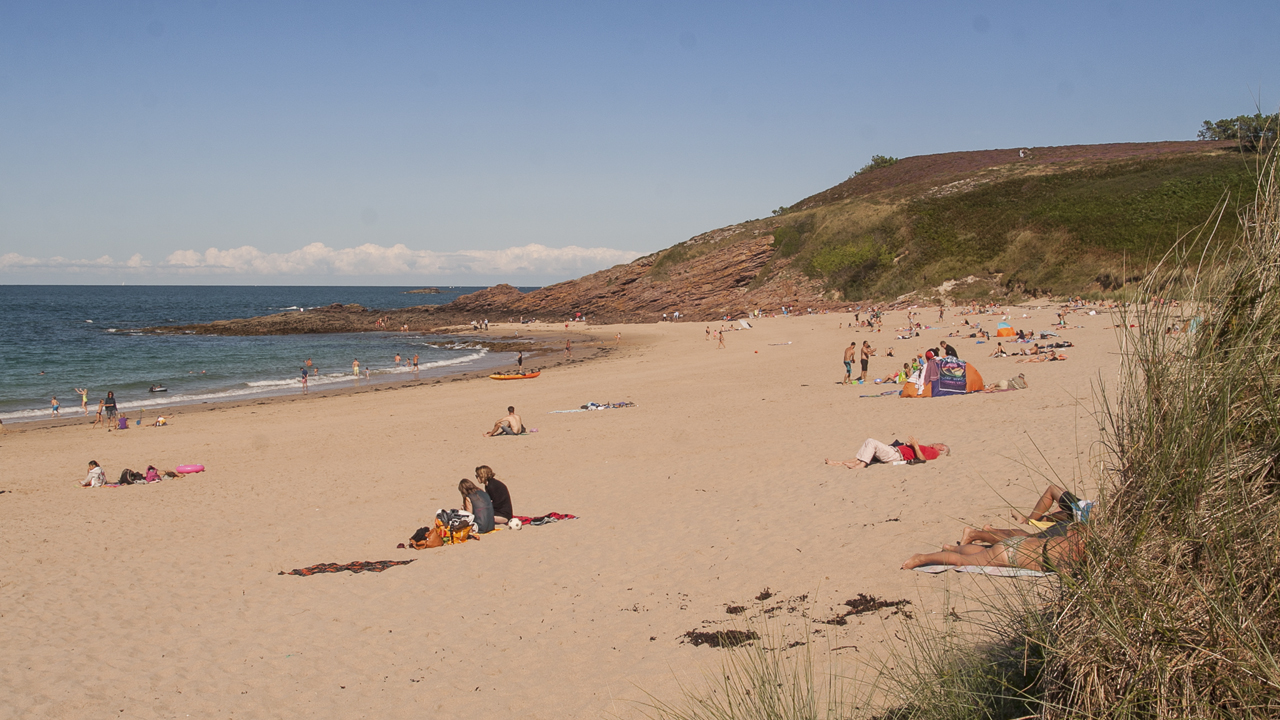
pixel 987 556
pixel 1046 501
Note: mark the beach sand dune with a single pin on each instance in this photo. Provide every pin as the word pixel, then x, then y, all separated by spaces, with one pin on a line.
pixel 165 600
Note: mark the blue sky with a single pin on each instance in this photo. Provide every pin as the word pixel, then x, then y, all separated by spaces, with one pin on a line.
pixel 434 142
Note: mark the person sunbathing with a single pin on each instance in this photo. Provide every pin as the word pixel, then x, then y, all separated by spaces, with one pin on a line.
pixel 912 452
pixel 1047 357
pixel 1042 554
pixel 999 351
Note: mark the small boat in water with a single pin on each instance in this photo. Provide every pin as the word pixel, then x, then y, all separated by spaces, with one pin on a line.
pixel 526 376
pixel 158 388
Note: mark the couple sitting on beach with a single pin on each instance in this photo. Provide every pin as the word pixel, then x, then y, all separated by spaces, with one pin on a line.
pixel 486 502
pixel 1059 542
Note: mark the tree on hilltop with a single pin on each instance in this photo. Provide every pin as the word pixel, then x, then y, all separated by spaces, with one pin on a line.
pixel 1254 132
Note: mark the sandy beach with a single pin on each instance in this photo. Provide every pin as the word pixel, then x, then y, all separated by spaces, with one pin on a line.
pixel 165 600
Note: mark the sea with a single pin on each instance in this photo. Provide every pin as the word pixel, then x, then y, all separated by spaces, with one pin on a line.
pixel 57 338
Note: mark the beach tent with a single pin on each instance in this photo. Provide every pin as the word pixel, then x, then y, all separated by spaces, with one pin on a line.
pixel 1005 330
pixel 955 377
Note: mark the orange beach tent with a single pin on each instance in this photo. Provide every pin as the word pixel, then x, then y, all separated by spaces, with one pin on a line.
pixel 955 377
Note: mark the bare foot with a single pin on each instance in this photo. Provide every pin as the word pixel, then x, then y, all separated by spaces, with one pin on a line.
pixel 967 536
pixel 913 562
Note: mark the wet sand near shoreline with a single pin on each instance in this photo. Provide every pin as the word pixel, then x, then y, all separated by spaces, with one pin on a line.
pixel 165 600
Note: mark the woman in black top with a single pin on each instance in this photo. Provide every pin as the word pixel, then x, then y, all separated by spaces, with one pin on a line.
pixel 111 405
pixel 497 491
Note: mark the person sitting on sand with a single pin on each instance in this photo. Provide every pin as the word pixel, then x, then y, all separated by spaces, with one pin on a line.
pixel 999 351
pixel 478 503
pixel 96 477
pixel 911 451
pixel 509 425
pixel 1042 554
pixel 498 493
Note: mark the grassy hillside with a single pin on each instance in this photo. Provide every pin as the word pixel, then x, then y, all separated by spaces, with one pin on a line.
pixel 1073 220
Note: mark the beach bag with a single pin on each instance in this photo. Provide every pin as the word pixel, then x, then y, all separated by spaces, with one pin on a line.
pixel 152 475
pixel 426 537
pixel 131 477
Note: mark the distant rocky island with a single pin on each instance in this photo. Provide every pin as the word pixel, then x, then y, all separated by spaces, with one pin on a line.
pixel 424 291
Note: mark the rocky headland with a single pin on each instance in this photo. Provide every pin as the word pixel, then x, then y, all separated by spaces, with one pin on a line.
pixel 992 224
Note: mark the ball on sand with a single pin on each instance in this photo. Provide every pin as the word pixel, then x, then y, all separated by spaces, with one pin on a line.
pixel 515 524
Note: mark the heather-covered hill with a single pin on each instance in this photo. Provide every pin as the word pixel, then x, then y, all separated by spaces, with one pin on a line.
pixel 1025 221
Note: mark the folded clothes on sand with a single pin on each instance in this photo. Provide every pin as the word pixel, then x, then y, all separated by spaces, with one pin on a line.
pixel 355 567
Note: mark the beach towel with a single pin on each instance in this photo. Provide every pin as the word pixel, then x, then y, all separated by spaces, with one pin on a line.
pixel 355 567
pixel 544 519
pixel 983 569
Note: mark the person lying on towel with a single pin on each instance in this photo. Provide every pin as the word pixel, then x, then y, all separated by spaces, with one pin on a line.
pixel 1042 554
pixel 911 451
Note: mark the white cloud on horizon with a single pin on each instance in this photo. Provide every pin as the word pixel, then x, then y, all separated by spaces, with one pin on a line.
pixel 367 261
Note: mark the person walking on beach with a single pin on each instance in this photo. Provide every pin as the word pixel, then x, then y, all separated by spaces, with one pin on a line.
pixel 867 352
pixel 110 403
pixel 720 338
pixel 849 354
pixel 54 404
pixel 305 375
pixel 84 401
pixel 98 420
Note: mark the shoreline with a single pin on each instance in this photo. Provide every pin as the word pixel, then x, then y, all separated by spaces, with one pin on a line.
pixel 544 347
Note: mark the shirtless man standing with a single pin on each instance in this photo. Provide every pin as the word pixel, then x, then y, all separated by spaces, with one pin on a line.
pixel 849 353
pixel 509 425
pixel 867 352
